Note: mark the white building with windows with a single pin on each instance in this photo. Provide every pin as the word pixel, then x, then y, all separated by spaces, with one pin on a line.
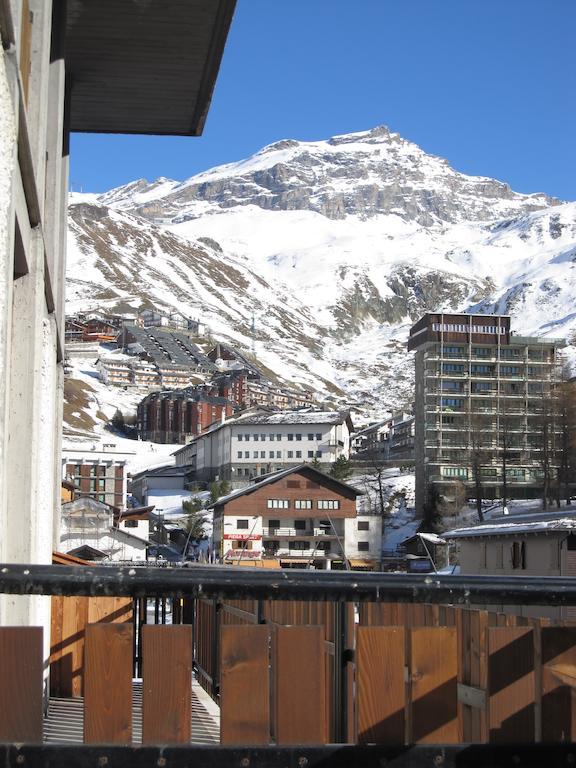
pixel 260 441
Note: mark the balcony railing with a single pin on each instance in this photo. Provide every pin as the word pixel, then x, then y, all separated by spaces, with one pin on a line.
pixel 362 669
pixel 285 533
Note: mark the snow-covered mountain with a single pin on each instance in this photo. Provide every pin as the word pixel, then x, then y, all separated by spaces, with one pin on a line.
pixel 334 248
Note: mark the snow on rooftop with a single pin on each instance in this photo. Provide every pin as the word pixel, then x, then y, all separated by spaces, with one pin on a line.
pixel 510 528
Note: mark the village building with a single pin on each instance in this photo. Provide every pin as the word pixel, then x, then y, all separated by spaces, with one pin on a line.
pixel 177 416
pixel 390 440
pixel 261 441
pixel 531 545
pixel 97 473
pixel 481 396
pixel 299 517
pixel 90 530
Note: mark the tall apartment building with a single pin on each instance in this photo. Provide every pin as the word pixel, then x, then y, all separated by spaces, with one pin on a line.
pixel 178 415
pixel 479 388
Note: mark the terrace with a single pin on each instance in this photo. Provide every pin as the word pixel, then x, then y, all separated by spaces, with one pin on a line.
pixel 297 668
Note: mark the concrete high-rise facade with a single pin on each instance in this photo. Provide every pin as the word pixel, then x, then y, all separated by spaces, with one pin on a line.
pixel 482 406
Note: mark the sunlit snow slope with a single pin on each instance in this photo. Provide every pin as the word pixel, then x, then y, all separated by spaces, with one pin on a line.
pixel 335 248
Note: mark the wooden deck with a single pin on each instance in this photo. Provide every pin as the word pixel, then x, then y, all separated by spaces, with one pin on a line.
pixel 64 723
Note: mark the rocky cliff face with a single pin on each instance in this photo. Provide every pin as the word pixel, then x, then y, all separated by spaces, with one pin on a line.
pixel 334 248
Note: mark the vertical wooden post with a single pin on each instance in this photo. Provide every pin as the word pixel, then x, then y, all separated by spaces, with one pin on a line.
pixel 108 684
pixel 167 684
pixel 21 656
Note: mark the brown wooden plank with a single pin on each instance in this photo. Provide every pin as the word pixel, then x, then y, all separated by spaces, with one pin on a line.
pixel 558 703
pixel 244 685
pixel 511 684
pixel 108 684
pixel 21 664
pixel 434 667
pixel 380 662
pixel 166 684
pixel 299 685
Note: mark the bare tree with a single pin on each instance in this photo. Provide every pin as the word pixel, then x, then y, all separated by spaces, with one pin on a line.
pixel 480 432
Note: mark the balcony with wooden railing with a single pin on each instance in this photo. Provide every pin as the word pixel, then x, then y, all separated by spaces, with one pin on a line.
pixel 290 668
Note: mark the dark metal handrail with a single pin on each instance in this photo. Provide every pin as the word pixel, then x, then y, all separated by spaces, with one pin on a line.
pixel 213 581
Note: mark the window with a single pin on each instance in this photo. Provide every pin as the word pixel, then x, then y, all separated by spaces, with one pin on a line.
pixel 363 546
pixel 510 370
pixel 290 436
pixel 300 545
pixel 270 454
pixel 454 471
pixel 263 437
pixel 278 437
pixel 310 454
pixel 298 454
pixel 298 436
pixel 131 523
pixel 318 454
pixel 310 436
pixel 241 524
pixel 303 504
pixel 451 402
pixel 290 454
pixel 300 525
pixel 262 454
pixel 278 504
pixel 273 524
pixel 481 369
pixel 324 546
pixel 246 438
pixel 518 555
pixel 246 454
pixel 453 367
pixel 363 525
pixel 509 354
pixel 239 437
pixel 292 483
pixel 255 454
pixel 318 435
pixel 239 454
pixel 328 504
pixel 271 436
pixel 255 437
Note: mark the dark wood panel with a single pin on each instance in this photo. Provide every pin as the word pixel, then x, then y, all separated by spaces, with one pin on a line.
pixel 434 666
pixel 21 664
pixel 558 703
pixel 166 684
pixel 511 684
pixel 299 685
pixel 108 684
pixel 244 685
pixel 380 662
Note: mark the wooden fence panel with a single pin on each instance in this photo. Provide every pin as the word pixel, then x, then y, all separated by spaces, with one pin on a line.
pixel 511 684
pixel 108 684
pixel 434 670
pixel 558 705
pixel 21 657
pixel 167 684
pixel 244 685
pixel 299 685
pixel 381 700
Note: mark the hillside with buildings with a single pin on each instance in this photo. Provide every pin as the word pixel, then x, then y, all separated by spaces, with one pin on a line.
pixel 319 256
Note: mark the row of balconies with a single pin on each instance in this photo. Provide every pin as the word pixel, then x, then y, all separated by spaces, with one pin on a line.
pixel 284 533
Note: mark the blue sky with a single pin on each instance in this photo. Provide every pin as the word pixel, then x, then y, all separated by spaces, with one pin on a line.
pixel 487 84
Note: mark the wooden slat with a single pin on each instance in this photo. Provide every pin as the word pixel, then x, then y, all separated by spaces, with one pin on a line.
pixel 244 685
pixel 108 684
pixel 300 685
pixel 21 664
pixel 166 684
pixel 380 662
pixel 511 684
pixel 558 654
pixel 434 669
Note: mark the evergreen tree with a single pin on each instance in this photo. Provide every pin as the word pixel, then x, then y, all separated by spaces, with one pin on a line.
pixel 341 469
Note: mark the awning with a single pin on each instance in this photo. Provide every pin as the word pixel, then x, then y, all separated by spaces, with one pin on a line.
pixel 371 564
